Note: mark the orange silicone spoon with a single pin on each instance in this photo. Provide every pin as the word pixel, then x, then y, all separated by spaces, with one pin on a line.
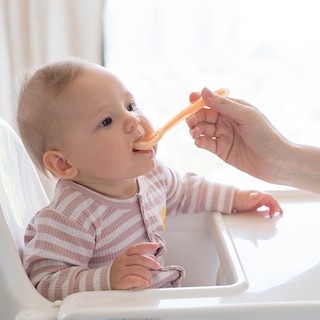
pixel 152 139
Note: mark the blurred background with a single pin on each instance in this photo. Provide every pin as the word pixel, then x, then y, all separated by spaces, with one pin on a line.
pixel 266 52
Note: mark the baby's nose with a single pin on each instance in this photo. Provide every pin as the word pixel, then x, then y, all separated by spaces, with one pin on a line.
pixel 132 122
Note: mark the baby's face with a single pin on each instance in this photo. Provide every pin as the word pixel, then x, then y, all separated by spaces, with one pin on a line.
pixel 102 122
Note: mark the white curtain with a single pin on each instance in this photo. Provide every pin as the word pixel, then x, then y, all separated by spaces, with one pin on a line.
pixel 35 32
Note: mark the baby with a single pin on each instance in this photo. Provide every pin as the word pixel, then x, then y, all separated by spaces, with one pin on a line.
pixel 103 228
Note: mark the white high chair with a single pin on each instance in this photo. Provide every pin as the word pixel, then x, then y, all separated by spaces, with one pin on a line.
pixel 21 195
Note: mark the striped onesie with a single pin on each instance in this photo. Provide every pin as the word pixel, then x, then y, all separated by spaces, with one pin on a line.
pixel 71 243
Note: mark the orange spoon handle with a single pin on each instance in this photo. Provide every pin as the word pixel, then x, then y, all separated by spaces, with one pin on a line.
pixel 188 111
pixel 154 138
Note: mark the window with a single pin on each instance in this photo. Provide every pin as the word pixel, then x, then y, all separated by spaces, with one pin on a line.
pixel 266 52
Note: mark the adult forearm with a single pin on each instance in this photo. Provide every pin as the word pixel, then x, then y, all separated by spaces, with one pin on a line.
pixel 300 168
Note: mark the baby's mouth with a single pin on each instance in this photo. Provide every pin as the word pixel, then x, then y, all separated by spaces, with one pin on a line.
pixel 141 151
pixel 144 139
pixel 153 149
pixel 141 137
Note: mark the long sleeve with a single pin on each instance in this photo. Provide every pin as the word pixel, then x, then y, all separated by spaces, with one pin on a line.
pixel 192 193
pixel 57 255
pixel 70 246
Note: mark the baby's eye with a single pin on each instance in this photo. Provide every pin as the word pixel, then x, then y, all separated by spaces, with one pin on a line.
pixel 131 106
pixel 106 122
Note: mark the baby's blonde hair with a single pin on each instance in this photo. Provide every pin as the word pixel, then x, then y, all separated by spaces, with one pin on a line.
pixel 39 113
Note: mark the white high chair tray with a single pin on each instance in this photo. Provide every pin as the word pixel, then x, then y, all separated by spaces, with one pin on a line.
pixel 240 266
pixel 282 265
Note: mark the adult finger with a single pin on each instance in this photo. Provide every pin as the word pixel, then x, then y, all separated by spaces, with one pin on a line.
pixel 205 142
pixel 202 128
pixel 224 105
pixel 194 96
pixel 203 115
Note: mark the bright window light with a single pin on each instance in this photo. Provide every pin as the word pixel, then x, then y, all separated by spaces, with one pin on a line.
pixel 266 52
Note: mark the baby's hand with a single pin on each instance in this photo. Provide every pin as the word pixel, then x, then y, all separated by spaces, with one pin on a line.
pixel 133 268
pixel 246 200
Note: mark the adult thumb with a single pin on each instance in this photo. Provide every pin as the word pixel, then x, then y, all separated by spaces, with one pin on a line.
pixel 223 105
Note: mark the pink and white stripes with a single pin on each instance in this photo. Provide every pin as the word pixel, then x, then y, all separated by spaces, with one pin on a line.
pixel 70 245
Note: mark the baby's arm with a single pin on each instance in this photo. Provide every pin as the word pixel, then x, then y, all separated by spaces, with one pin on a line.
pixel 248 200
pixel 133 268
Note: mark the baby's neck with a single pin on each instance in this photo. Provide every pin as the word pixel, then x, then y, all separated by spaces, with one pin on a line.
pixel 117 189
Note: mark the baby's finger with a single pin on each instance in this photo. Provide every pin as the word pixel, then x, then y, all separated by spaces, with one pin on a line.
pixel 142 248
pixel 269 201
pixel 130 282
pixel 143 261
pixel 273 209
pixel 131 277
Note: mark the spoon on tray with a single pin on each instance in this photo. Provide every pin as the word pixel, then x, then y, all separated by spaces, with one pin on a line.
pixel 152 139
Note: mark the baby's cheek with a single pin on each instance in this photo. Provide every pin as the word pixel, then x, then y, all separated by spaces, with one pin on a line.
pixel 145 122
pixel 148 126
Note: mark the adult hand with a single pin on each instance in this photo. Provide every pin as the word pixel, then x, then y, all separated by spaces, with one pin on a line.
pixel 239 134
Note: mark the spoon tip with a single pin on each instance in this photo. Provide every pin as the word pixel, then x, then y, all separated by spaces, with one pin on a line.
pixel 147 144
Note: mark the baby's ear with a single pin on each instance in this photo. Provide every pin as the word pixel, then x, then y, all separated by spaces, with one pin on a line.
pixel 58 165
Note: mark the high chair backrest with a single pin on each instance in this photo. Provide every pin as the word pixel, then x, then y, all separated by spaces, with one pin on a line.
pixel 21 196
